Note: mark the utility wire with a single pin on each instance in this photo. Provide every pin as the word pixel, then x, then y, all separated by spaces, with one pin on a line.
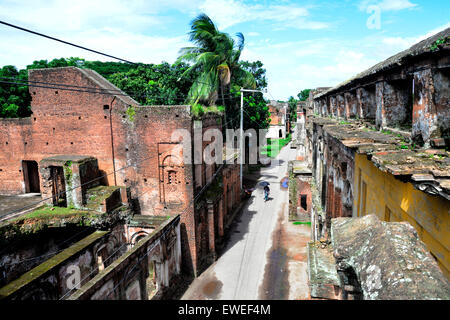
pixel 85 48
pixel 79 46
pixel 98 90
pixel 65 42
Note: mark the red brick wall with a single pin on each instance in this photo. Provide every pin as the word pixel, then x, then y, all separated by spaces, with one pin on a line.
pixel 275 115
pixel 98 125
pixel 68 122
pixel 304 188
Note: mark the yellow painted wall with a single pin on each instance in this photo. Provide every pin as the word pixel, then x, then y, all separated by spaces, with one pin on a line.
pixel 429 215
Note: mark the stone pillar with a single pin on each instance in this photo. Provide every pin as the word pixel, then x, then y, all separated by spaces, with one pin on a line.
pixel 211 233
pixel 350 105
pixel 46 184
pixel 333 106
pixel 316 106
pixel 324 107
pixel 441 99
pixel 74 195
pixel 359 103
pixel 425 118
pixel 221 218
pixel 380 119
pixel 340 106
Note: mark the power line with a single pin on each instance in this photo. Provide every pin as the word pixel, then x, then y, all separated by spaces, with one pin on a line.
pixel 89 90
pixel 94 90
pixel 81 47
pixel 85 48
pixel 66 42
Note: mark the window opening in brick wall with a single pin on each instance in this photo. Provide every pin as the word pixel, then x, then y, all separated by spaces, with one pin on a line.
pixel 58 186
pixel 171 177
pixel 303 203
pixel 31 176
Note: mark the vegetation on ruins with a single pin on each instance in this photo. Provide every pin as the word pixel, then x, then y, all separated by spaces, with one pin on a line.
pixel 440 43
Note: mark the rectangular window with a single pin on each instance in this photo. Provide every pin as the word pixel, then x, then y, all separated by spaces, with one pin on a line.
pixel 172 177
pixel 303 203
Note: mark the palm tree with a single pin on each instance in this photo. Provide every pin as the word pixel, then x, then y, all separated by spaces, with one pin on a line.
pixel 216 55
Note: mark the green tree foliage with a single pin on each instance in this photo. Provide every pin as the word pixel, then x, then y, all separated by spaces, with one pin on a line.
pixel 256 113
pixel 304 94
pixel 157 84
pixel 147 84
pixel 216 58
pixel 257 71
pixel 14 99
pixel 107 69
pixel 292 105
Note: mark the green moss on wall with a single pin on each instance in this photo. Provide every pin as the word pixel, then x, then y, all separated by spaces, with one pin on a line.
pixel 131 112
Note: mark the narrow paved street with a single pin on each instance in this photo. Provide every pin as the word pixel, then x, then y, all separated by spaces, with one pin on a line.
pixel 265 257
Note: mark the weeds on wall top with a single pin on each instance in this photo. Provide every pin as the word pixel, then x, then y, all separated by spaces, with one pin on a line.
pixel 199 110
pixel 440 42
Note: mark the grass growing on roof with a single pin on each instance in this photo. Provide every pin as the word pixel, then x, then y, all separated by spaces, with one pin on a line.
pixel 47 211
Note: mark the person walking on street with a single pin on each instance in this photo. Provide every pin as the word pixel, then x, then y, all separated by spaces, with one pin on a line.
pixel 266 193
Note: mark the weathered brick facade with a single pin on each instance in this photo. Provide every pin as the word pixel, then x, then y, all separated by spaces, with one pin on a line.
pixel 389 156
pixel 133 146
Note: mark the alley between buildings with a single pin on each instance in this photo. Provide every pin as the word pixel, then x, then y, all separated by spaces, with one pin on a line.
pixel 265 257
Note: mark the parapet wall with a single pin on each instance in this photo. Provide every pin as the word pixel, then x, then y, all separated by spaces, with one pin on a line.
pixel 143 273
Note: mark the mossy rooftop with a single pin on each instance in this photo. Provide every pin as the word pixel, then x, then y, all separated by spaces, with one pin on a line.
pixel 391 151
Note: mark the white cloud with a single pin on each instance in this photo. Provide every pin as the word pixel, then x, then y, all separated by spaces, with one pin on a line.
pixel 387 5
pixel 98 25
pixel 227 13
pixel 291 65
pixel 25 48
pixel 324 62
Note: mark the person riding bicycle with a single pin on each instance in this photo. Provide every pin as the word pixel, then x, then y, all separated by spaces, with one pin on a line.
pixel 266 193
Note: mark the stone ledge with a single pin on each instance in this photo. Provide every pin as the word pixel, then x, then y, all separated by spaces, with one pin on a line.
pixel 49 265
pixel 324 281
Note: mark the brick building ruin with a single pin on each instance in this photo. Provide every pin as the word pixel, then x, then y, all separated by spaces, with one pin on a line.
pixel 279 126
pixel 377 144
pixel 89 147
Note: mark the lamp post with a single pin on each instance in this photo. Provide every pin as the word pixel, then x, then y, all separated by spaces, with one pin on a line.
pixel 241 143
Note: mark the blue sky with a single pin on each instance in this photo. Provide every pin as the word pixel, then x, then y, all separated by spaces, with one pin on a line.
pixel 303 44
